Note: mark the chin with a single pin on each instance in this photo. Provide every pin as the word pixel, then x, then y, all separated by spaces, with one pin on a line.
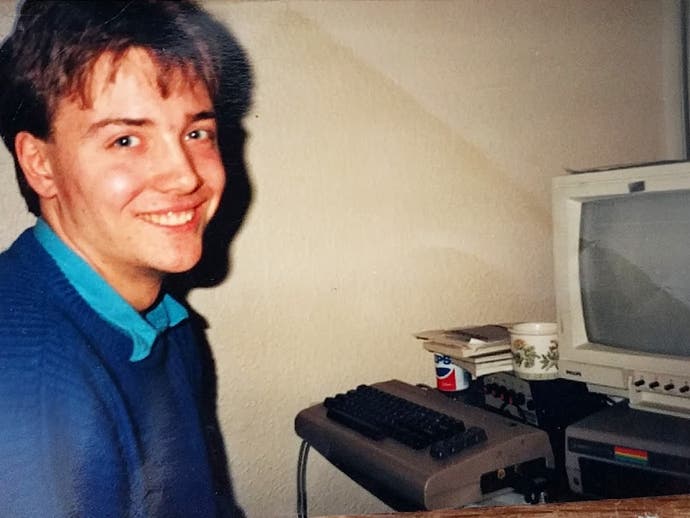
pixel 180 264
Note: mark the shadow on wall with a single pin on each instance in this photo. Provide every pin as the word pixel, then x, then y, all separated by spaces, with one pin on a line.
pixel 231 104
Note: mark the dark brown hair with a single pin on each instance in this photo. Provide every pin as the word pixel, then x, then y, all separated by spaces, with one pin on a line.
pixel 51 51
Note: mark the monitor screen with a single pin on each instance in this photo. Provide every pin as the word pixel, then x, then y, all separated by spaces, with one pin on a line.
pixel 634 262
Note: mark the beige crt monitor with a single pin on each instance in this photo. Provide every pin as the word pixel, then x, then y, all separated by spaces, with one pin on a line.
pixel 622 279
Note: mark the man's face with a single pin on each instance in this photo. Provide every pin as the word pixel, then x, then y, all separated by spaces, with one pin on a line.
pixel 137 176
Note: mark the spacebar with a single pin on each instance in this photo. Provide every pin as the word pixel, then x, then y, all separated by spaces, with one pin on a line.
pixel 364 427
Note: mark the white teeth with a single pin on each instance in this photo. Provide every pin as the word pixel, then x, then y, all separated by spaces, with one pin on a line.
pixel 170 219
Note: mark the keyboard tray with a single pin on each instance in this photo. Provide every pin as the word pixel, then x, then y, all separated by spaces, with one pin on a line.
pixel 397 473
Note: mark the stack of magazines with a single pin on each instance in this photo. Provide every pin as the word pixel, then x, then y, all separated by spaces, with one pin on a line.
pixel 480 350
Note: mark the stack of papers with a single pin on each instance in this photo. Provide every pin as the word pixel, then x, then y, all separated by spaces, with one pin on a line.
pixel 466 342
pixel 480 350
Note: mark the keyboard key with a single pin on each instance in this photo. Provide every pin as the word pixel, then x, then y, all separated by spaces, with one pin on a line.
pixel 364 427
pixel 447 447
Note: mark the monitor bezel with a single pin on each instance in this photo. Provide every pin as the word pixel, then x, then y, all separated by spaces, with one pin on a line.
pixel 608 369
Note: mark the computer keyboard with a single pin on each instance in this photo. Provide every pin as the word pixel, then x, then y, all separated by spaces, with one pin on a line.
pixel 403 470
pixel 378 414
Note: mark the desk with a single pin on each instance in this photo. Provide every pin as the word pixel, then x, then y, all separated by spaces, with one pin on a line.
pixel 658 507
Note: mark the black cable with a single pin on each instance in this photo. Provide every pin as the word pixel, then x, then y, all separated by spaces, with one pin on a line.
pixel 302 480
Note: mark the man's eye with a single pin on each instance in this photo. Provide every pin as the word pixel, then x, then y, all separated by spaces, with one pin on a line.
pixel 200 134
pixel 127 141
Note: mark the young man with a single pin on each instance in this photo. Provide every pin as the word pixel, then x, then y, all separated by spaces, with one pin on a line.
pixel 109 109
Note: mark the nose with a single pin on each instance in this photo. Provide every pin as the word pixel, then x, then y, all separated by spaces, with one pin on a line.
pixel 176 170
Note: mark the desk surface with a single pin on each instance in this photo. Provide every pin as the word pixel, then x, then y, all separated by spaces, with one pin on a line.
pixel 659 507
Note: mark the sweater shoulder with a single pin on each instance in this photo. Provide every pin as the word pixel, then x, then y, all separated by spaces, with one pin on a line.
pixel 26 274
pixel 32 302
pixel 25 268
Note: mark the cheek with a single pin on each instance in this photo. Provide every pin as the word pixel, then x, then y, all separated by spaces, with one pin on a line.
pixel 213 175
pixel 121 188
pixel 219 181
pixel 92 182
pixel 214 183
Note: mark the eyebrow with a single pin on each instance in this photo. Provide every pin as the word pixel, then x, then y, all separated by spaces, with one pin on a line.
pixel 125 121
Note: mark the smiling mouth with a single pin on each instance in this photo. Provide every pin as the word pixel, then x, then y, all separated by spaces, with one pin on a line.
pixel 169 219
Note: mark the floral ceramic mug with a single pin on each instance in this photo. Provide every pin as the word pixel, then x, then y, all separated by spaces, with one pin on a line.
pixel 535 350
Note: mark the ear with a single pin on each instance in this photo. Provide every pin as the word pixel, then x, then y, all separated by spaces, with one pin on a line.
pixel 32 155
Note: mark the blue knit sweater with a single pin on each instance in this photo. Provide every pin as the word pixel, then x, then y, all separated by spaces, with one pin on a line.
pixel 83 430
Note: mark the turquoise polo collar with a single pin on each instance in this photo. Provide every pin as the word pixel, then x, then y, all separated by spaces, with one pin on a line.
pixel 143 330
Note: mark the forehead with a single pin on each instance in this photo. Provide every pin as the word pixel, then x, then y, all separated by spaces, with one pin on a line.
pixel 139 70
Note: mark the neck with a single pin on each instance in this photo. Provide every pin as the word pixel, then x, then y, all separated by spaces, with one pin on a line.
pixel 140 294
pixel 139 287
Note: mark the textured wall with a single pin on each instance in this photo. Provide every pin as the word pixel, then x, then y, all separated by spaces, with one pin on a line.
pixel 401 155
